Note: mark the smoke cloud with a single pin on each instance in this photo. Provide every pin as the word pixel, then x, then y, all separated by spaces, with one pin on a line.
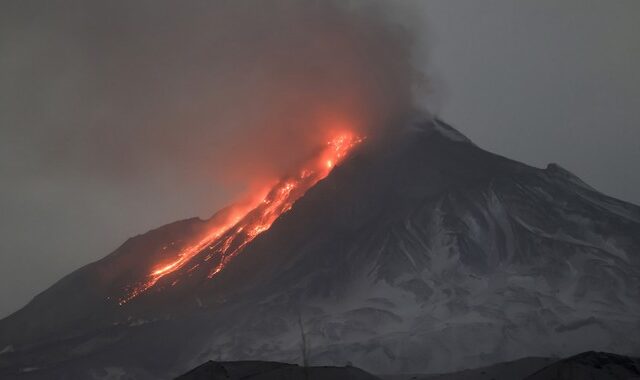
pixel 229 90
pixel 120 116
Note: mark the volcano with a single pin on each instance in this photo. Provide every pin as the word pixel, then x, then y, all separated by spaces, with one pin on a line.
pixel 412 252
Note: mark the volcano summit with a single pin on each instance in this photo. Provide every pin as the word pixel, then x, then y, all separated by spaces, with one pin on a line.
pixel 420 253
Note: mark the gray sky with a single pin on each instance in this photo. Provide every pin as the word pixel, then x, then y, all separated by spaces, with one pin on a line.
pixel 545 81
pixel 90 110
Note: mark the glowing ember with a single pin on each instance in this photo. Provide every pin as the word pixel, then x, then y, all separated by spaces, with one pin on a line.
pixel 231 235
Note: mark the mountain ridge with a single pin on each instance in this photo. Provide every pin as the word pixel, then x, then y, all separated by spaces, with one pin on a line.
pixel 424 252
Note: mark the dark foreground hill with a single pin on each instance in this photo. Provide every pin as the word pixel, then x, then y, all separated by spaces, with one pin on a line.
pixel 586 366
pixel 511 370
pixel 252 370
pixel 593 366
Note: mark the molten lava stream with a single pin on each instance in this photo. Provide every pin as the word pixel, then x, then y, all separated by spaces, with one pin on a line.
pixel 230 236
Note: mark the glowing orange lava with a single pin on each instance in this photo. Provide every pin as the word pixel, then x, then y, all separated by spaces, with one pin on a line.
pixel 244 223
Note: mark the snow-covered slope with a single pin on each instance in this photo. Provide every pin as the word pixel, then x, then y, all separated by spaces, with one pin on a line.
pixel 420 254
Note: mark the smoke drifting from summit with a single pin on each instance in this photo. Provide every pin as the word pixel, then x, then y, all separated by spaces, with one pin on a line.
pixel 119 116
pixel 229 90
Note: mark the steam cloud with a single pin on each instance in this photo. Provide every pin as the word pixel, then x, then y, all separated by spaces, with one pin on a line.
pixel 231 90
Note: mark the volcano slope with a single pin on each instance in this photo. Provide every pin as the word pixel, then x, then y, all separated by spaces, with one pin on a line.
pixel 421 254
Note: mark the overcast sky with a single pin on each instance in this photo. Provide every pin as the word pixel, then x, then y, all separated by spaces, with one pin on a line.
pixel 538 81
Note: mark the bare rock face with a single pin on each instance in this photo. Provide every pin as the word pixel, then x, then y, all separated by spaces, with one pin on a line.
pixel 421 253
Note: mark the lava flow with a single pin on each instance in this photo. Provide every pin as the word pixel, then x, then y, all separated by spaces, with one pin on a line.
pixel 224 241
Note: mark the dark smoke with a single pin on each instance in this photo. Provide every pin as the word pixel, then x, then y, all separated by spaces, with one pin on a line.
pixel 120 116
pixel 229 90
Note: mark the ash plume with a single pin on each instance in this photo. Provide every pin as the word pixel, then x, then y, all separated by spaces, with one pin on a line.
pixel 226 90
pixel 117 116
